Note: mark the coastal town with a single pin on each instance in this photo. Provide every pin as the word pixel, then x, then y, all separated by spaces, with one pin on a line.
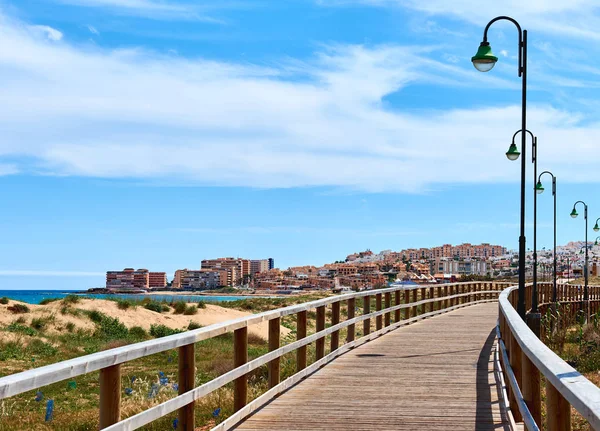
pixel 361 270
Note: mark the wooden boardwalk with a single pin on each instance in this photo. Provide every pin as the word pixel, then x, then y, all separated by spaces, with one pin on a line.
pixel 433 375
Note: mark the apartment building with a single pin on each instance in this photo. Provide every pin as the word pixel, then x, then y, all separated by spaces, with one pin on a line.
pixel 237 269
pixel 459 267
pixel 128 279
pixel 259 266
pixel 157 279
pixel 203 278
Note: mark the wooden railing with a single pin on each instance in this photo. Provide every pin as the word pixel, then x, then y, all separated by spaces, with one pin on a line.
pixel 525 358
pixel 417 303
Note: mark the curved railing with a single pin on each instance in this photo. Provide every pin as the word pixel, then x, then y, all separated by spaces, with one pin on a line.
pixel 525 358
pixel 417 303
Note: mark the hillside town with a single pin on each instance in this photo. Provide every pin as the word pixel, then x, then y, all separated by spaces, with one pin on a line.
pixel 362 270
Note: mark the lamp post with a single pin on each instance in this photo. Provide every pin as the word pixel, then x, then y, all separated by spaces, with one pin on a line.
pixel 585 269
pixel 539 188
pixel 484 61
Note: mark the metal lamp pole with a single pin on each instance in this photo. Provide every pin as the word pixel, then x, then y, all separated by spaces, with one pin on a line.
pixel 585 269
pixel 484 61
pixel 540 189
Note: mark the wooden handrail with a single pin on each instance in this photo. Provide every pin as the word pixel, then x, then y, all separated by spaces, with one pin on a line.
pixel 107 361
pixel 565 386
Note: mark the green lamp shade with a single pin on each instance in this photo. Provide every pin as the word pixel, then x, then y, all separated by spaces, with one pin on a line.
pixel 539 188
pixel 596 229
pixel 484 60
pixel 574 213
pixel 513 153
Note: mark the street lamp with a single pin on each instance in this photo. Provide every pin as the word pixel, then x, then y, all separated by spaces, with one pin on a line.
pixel 512 151
pixel 539 188
pixel 484 61
pixel 585 269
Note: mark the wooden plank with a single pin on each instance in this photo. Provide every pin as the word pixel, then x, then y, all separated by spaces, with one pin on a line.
pixel 433 375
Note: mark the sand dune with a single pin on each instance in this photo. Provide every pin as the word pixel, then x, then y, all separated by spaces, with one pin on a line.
pixel 138 316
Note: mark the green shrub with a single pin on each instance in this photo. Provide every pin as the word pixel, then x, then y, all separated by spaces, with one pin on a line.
pixel 155 306
pixel 158 331
pixel 190 310
pixel 194 325
pixel 125 304
pixel 41 348
pixel 11 350
pixel 107 327
pixel 138 333
pixel 4 300
pixel 70 326
pixel 21 329
pixel 95 316
pixel 179 307
pixel 201 305
pixel 47 301
pixel 18 308
pixel 71 299
pixel 40 323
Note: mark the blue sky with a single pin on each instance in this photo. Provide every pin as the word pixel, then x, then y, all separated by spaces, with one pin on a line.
pixel 154 134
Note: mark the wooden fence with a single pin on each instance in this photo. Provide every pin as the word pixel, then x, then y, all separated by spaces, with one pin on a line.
pixel 394 307
pixel 525 358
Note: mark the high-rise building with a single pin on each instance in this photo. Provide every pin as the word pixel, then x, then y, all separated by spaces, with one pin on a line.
pixel 177 278
pixel 237 269
pixel 128 279
pixel 157 279
pixel 271 263
pixel 203 278
pixel 258 266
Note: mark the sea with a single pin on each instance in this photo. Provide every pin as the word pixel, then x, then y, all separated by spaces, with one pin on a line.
pixel 36 296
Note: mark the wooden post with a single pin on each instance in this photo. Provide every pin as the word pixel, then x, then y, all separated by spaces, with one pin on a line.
pixel 388 304
pixel 515 363
pixel 300 334
pixel 320 343
pixel 351 328
pixel 187 382
pixel 366 310
pixel 531 388
pixel 335 319
pixel 397 302
pixel 431 295
pixel 414 299
pixel 446 294
pixel 558 410
pixel 274 340
pixel 379 318
pixel 240 357
pixel 110 395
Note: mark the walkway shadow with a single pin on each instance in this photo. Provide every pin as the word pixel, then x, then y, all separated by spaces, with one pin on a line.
pixel 484 415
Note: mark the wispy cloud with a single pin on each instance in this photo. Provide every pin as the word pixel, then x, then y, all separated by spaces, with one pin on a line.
pixel 36 273
pixel 156 9
pixel 318 122
pixel 93 30
pixel 46 31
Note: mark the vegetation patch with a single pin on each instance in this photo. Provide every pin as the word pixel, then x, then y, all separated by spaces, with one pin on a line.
pixel 47 301
pixel 4 300
pixel 157 307
pixel 18 309
pixel 158 331
pixel 190 310
pixel 71 299
pixel 21 329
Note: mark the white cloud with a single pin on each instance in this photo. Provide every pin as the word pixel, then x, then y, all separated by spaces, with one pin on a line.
pixel 154 9
pixel 93 30
pixel 48 32
pixel 36 273
pixel 323 122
